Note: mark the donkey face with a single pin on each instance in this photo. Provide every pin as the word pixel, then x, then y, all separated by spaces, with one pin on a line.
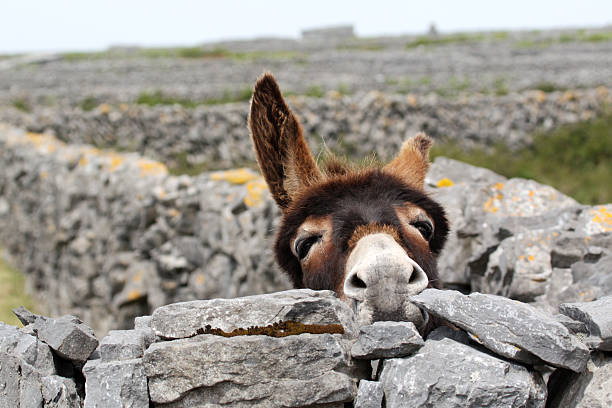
pixel 370 234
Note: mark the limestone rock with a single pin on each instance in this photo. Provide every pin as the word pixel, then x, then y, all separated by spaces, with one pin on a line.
pixel 67 336
pixel 589 389
pixel 596 315
pixel 60 392
pixel 181 320
pixel 264 371
pixel 507 327
pixel 27 348
pixel 369 395
pixel 115 384
pixel 124 344
pixel 386 340
pixel 445 373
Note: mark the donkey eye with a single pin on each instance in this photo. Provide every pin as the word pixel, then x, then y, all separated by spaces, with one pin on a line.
pixel 425 228
pixel 303 245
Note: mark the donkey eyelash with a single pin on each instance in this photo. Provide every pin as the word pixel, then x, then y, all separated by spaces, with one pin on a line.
pixel 303 245
pixel 425 228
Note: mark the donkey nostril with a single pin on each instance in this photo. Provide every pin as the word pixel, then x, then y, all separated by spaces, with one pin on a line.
pixel 357 282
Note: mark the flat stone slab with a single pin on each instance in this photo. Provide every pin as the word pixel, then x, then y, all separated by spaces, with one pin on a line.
pixel 445 373
pixel 369 395
pixel 125 344
pixel 182 320
pixel 115 384
pixel 261 371
pixel 509 328
pixel 596 315
pixel 386 340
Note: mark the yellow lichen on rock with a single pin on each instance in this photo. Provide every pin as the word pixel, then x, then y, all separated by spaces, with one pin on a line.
pixel 255 192
pixel 445 182
pixel 151 168
pixel 603 217
pixel 236 176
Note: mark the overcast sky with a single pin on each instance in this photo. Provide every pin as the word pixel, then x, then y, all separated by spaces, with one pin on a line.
pixel 62 25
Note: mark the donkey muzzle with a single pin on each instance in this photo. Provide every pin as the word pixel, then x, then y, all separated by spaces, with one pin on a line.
pixel 380 278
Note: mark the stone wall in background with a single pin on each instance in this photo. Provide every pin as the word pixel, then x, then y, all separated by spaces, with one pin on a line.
pixel 109 236
pixel 356 125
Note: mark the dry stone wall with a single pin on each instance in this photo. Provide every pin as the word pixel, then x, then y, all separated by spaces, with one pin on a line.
pixel 487 351
pixel 357 125
pixel 109 236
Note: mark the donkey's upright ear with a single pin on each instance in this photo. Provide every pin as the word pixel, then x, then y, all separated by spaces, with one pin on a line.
pixel 282 152
pixel 412 162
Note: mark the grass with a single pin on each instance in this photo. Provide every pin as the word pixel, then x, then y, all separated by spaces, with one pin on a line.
pixel 183 166
pixel 459 38
pixel 22 105
pixel 579 36
pixel 575 159
pixel 159 98
pixel 315 91
pixel 12 294
pixel 88 104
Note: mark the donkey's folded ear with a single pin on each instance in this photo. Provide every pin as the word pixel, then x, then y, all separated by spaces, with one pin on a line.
pixel 412 162
pixel 282 152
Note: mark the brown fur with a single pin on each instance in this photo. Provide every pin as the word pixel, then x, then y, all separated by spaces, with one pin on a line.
pixel 341 203
pixel 282 153
pixel 412 163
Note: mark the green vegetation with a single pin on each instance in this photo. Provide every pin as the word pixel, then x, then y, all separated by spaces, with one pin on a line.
pixel 22 105
pixel 80 56
pixel 181 165
pixel 159 98
pixel 500 86
pixel 361 45
pixel 89 103
pixel 12 294
pixel 575 159
pixel 566 37
pixel 315 91
pixel 459 38
pixel 549 87
pixel 184 52
pixel 454 87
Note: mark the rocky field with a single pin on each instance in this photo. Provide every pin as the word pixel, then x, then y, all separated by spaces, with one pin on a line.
pixel 102 230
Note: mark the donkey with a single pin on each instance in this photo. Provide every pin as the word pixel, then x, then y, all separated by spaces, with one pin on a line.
pixel 369 233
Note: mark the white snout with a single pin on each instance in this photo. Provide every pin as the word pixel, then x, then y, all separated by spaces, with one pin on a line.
pixel 380 277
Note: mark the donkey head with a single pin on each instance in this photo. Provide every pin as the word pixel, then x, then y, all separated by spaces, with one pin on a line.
pixel 370 234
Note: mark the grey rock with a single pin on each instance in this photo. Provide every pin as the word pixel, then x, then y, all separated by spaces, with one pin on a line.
pixel 589 389
pixel 386 340
pixel 60 392
pixel 459 173
pixel 24 315
pixel 115 384
pixel 123 345
pixel 507 327
pixel 369 395
pixel 142 322
pixel 181 320
pixel 444 332
pixel 9 380
pixel 262 371
pixel 575 326
pixel 445 373
pixel 27 348
pixel 67 336
pixel 596 315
